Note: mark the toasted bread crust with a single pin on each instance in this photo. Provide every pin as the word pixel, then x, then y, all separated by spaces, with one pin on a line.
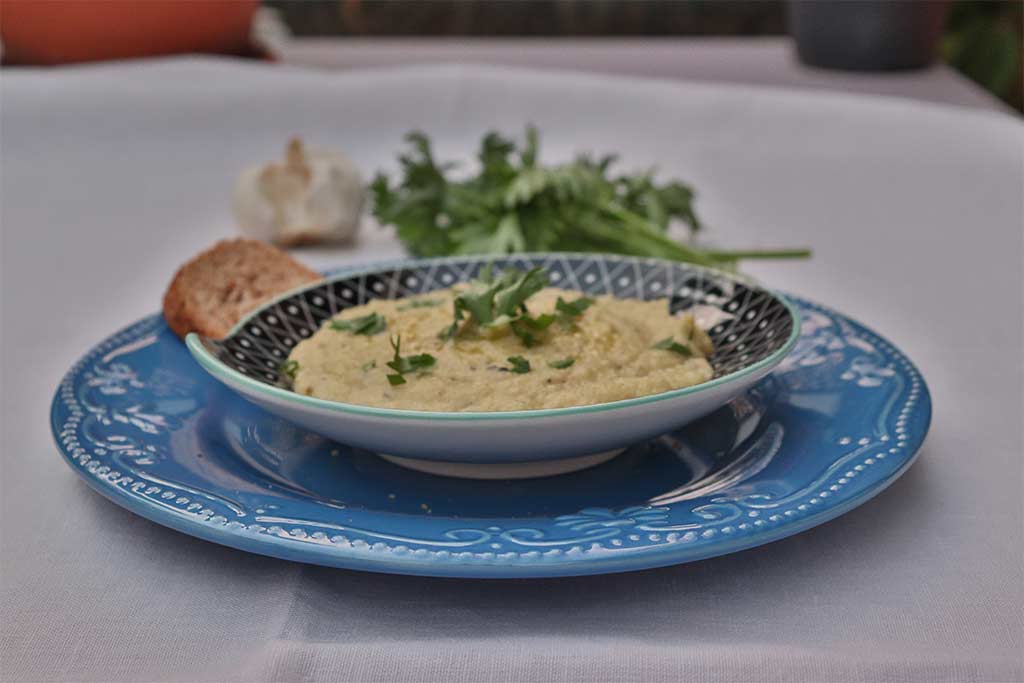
pixel 213 291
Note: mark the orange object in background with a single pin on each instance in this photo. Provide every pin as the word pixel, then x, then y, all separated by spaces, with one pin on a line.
pixel 59 31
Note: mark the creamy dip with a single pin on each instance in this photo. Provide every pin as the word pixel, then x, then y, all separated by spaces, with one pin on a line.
pixel 612 347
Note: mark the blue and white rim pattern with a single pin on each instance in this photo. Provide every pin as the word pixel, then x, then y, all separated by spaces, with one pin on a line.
pixel 752 323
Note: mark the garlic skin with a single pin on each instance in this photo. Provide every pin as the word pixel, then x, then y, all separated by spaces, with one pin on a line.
pixel 313 197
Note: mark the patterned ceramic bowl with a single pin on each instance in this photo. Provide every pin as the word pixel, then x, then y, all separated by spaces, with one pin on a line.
pixel 752 330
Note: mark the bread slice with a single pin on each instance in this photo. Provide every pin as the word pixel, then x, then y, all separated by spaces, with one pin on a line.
pixel 217 288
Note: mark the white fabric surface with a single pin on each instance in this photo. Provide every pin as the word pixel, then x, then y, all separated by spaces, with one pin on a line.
pixel 765 60
pixel 113 175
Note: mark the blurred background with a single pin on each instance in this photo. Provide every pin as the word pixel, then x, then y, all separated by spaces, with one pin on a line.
pixel 982 40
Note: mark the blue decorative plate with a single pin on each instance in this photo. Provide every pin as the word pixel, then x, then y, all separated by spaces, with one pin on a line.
pixel 840 419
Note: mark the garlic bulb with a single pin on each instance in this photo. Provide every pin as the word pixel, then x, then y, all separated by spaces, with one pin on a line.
pixel 312 197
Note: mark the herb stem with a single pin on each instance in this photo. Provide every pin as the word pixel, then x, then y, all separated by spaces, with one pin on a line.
pixel 759 254
pixel 667 246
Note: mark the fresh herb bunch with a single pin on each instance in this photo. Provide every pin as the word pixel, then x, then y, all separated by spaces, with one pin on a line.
pixel 515 204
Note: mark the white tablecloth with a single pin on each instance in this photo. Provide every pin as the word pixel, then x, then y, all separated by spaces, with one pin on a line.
pixel 113 175
pixel 764 60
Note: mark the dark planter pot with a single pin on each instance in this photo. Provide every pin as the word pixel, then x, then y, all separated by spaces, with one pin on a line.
pixel 867 35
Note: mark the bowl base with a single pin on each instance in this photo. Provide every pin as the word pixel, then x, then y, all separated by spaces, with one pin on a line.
pixel 511 470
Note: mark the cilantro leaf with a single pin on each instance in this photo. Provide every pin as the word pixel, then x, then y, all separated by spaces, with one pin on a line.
pixel 575 308
pixel 421 362
pixel 449 332
pixel 568 311
pixel 479 302
pixel 519 365
pixel 371 324
pixel 529 339
pixel 458 314
pixel 670 344
pixel 541 322
pixel 421 303
pixel 406 364
pixel 491 301
pixel 518 288
pixel 415 204
pixel 290 368
pixel 526 327
pixel 561 364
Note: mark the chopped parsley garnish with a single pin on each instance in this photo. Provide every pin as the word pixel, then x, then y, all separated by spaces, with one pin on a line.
pixel 371 324
pixel 406 364
pixel 513 288
pixel 573 309
pixel 421 303
pixel 290 368
pixel 526 327
pixel 568 311
pixel 458 313
pixel 519 365
pixel 491 301
pixel 369 365
pixel 494 301
pixel 670 344
pixel 562 364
